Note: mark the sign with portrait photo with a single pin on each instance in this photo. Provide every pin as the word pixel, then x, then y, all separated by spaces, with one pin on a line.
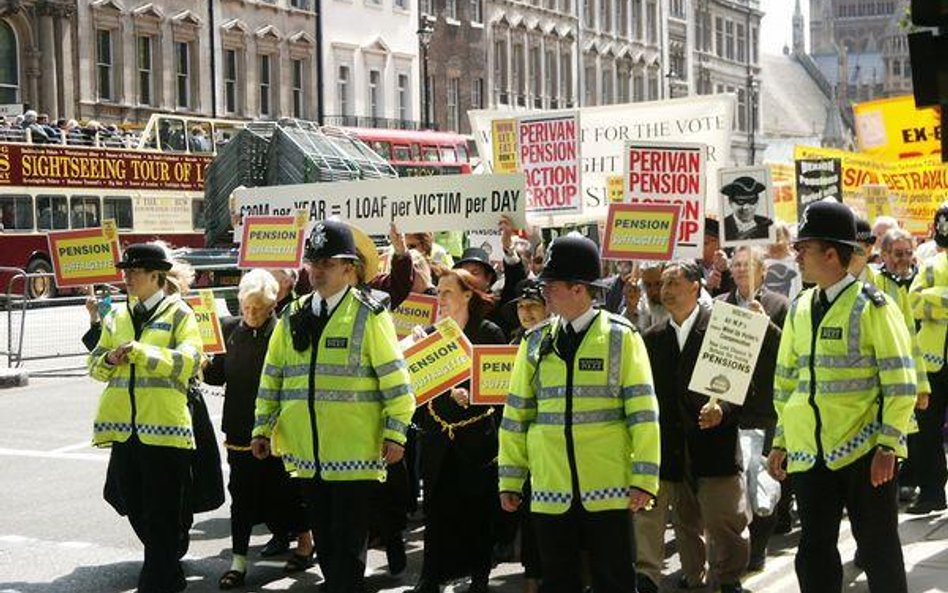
pixel 747 204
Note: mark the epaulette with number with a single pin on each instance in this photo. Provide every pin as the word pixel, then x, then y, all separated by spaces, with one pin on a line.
pixel 620 320
pixel 369 301
pixel 538 327
pixel 875 295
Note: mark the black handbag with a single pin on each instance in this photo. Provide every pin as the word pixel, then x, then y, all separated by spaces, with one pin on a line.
pixel 207 481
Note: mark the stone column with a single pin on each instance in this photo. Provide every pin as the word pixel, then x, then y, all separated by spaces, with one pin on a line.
pixel 49 96
pixel 67 105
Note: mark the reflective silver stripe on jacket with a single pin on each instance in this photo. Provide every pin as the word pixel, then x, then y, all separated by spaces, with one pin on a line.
pixel 558 418
pixel 512 471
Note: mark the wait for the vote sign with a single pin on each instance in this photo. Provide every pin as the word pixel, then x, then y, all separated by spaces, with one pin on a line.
pixel 417 309
pixel 272 241
pixel 641 231
pixel 86 256
pixel 439 361
pixel 209 323
pixel 490 378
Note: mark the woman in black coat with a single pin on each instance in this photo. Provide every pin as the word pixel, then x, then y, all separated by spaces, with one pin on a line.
pixel 459 457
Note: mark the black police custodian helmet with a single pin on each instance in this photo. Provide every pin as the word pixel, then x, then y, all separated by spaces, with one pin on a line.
pixel 572 258
pixel 864 231
pixel 331 238
pixel 147 256
pixel 476 255
pixel 828 220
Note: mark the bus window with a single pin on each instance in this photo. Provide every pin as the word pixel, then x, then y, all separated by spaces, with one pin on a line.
pixel 462 154
pixel 382 148
pixel 402 153
pixel 16 213
pixel 84 211
pixel 172 135
pixel 448 155
pixel 431 154
pixel 118 208
pixel 52 213
pixel 415 152
pixel 197 214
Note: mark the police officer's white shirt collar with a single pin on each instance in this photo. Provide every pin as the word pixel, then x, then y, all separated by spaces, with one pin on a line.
pixel 834 290
pixel 331 303
pixel 581 322
pixel 152 301
pixel 682 331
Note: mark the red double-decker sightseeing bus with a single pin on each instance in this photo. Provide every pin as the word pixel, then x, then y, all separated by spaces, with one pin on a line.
pixel 417 153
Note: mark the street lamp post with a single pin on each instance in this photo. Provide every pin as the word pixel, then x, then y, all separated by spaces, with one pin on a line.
pixel 425 33
pixel 753 88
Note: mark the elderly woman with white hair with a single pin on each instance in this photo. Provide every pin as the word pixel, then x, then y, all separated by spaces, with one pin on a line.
pixel 260 489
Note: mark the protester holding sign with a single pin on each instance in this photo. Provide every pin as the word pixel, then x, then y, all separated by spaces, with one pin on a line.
pixel 459 442
pixel 714 262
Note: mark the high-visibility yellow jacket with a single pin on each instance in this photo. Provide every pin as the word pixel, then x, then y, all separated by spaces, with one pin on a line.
pixel 148 396
pixel 929 298
pixel 900 296
pixel 614 419
pixel 360 393
pixel 849 386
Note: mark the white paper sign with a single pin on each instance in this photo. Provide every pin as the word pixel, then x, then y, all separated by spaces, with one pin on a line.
pixel 415 204
pixel 746 206
pixel 729 353
pixel 489 240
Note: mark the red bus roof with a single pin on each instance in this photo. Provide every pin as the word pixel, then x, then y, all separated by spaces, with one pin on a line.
pixel 408 135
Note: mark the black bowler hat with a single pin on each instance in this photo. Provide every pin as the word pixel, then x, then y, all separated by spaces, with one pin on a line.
pixel 828 220
pixel 941 226
pixel 743 189
pixel 331 239
pixel 476 255
pixel 147 256
pixel 572 258
pixel 864 232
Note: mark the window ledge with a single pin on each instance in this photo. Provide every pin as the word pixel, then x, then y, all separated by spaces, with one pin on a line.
pixel 477 25
pixel 402 11
pixel 452 22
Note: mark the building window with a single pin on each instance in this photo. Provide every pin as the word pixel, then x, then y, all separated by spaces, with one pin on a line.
pixel 536 80
pixel 230 80
pixel 606 86
pixel 677 59
pixel 653 87
pixel 549 76
pixel 477 93
pixel 605 16
pixel 454 119
pixel 375 96
pixel 729 40
pixel 518 74
pixel 652 21
pixel 145 95
pixel 9 65
pixel 637 19
pixel 403 101
pixel 741 44
pixel 500 68
pixel 677 9
pixel 477 11
pixel 103 64
pixel 719 36
pixel 451 9
pixel 589 80
pixel 401 4
pixel 589 15
pixel 182 61
pixel 426 6
pixel 754 41
pixel 622 17
pixel 265 85
pixel 566 78
pixel 741 110
pixel 622 87
pixel 342 90
pixel 638 88
pixel 301 4
pixel 299 96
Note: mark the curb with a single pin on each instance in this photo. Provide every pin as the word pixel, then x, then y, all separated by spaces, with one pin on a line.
pixel 13 378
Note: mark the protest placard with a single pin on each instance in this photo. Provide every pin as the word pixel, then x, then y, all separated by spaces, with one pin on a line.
pixel 641 231
pixel 86 256
pixel 417 309
pixel 490 241
pixel 589 230
pixel 439 361
pixel 272 241
pixel 616 189
pixel 747 205
pixel 490 378
pixel 671 174
pixel 415 204
pixel 504 141
pixel 818 179
pixel 895 128
pixel 209 323
pixel 729 352
pixel 549 156
pixel 876 198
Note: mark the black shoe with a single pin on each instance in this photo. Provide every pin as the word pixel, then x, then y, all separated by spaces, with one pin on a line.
pixel 923 507
pixel 478 585
pixel 426 586
pixel 277 545
pixel 784 524
pixel 756 564
pixel 395 555
pixel 906 493
pixel 503 552
pixel 645 584
pixel 732 588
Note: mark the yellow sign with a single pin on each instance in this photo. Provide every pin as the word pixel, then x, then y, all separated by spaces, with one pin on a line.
pixel 784 189
pixel 504 141
pixel 86 256
pixel 877 202
pixel 438 362
pixel 641 231
pixel 205 310
pixel 272 242
pixel 894 128
pixel 615 189
pixel 417 309
pixel 490 381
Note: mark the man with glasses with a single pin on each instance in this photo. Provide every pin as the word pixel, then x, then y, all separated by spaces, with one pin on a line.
pixel 743 223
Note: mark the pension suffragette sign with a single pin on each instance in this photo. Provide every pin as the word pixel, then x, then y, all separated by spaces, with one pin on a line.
pixel 641 231
pixel 490 379
pixel 417 309
pixel 272 241
pixel 729 353
pixel 209 323
pixel 86 256
pixel 439 361
pixel 415 204
pixel 548 147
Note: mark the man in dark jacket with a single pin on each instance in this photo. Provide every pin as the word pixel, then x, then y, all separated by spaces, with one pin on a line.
pixel 701 472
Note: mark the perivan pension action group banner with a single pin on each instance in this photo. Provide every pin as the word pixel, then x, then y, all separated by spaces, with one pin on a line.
pixel 548 155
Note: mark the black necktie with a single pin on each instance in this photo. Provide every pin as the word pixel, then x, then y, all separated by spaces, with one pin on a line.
pixel 821 304
pixel 567 342
pixel 321 320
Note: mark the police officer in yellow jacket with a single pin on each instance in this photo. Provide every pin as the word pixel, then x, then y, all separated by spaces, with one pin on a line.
pixel 147 353
pixel 844 391
pixel 582 420
pixel 335 401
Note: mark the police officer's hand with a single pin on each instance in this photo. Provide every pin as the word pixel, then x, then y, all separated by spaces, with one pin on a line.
pixel 461 397
pixel 711 415
pixel 639 500
pixel 921 401
pixel 397 239
pixel 510 501
pixel 92 306
pixel 775 464
pixel 883 466
pixel 120 354
pixel 392 452
pixel 260 447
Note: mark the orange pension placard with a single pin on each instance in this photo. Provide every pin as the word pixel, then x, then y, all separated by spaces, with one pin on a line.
pixel 438 362
pixel 209 323
pixel 87 256
pixel 417 309
pixel 490 377
pixel 272 242
pixel 641 231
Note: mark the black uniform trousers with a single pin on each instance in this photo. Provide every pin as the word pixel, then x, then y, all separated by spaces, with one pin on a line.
pixel 873 512
pixel 927 447
pixel 339 514
pixel 153 487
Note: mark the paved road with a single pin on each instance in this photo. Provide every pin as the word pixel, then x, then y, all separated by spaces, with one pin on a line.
pixel 58 536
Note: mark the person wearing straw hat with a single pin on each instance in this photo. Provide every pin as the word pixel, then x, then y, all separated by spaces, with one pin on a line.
pixel 581 420
pixel 335 401
pixel 844 391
